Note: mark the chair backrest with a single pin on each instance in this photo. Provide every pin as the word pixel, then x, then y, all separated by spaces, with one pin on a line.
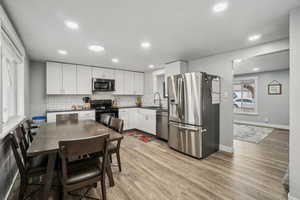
pixel 67 118
pixel 116 124
pixel 69 149
pixel 27 134
pixel 105 119
pixel 18 150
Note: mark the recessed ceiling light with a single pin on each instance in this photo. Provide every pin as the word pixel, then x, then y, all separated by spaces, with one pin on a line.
pixel 237 60
pixel 256 69
pixel 151 66
pixel 254 37
pixel 72 25
pixel 62 52
pixel 145 45
pixel 115 60
pixel 96 48
pixel 220 7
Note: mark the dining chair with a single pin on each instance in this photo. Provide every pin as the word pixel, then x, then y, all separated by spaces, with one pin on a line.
pixel 28 138
pixel 86 171
pixel 105 119
pixel 29 167
pixel 114 146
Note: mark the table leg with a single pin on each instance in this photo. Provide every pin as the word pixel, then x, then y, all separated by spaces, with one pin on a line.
pixel 109 174
pixel 49 175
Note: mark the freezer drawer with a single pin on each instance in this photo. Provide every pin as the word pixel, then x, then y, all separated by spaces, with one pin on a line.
pixel 186 138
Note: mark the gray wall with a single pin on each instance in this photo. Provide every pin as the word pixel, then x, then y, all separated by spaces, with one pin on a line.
pixel 273 107
pixel 222 65
pixel 294 103
pixel 37 88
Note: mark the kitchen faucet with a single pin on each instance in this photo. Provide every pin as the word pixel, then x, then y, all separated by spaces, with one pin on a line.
pixel 159 98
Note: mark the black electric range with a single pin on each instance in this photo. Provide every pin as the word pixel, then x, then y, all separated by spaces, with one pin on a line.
pixel 104 106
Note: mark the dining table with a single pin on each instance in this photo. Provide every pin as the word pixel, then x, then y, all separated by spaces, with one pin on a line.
pixel 49 134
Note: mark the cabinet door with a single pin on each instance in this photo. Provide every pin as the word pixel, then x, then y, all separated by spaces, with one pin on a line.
pixel 124 115
pixel 133 120
pixel 138 83
pixel 128 83
pixel 54 78
pixel 148 120
pixel 84 80
pixel 119 82
pixel 69 79
pixel 103 73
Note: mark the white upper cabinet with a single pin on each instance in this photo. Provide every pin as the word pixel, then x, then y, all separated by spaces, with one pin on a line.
pixel 138 83
pixel 54 78
pixel 69 79
pixel 119 82
pixel 128 83
pixel 84 80
pixel 103 73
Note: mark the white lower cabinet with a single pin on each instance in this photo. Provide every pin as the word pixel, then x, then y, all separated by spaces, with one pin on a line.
pixel 139 118
pixel 82 115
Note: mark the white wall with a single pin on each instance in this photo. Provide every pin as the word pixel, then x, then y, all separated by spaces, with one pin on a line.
pixel 222 65
pixel 275 108
pixel 294 103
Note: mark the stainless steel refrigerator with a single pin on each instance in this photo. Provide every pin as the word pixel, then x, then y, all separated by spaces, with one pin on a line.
pixel 193 102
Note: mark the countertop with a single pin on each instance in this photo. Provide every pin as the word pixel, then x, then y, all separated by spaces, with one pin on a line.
pixel 145 107
pixel 67 110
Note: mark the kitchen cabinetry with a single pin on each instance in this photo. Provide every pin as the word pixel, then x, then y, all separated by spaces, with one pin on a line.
pixel 138 83
pixel 76 79
pixel 139 118
pixel 69 83
pixel 103 73
pixel 54 78
pixel 82 115
pixel 84 80
pixel 119 82
pixel 146 120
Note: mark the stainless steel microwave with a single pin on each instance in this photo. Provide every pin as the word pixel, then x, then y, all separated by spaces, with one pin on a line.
pixel 103 85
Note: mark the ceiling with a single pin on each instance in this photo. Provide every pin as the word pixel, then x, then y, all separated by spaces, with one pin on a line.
pixel 176 29
pixel 269 62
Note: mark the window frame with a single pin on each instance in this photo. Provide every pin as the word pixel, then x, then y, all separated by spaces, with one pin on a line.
pixel 240 79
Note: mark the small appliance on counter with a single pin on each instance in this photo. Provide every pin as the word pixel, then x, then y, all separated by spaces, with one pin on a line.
pixel 193 102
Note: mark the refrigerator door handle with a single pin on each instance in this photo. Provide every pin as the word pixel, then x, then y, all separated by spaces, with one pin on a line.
pixel 185 128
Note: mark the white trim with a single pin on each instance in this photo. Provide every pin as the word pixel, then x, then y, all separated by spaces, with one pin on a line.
pixel 226 148
pixel 285 127
pixel 11 186
pixel 290 197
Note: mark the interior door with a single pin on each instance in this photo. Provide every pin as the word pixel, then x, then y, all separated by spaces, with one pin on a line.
pixel 186 139
pixel 185 103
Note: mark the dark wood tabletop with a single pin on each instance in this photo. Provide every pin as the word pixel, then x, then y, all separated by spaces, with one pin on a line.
pixel 48 135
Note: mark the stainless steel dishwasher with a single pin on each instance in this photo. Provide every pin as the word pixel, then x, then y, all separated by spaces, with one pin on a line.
pixel 162 124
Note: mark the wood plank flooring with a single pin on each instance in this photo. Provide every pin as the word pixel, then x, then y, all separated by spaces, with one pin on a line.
pixel 152 171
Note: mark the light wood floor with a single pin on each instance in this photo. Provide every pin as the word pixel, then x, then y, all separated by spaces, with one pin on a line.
pixel 152 171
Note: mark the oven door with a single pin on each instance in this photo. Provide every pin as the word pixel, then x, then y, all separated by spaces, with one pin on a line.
pixel 103 85
pixel 110 113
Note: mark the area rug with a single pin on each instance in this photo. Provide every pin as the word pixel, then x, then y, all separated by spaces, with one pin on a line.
pixel 252 134
pixel 142 136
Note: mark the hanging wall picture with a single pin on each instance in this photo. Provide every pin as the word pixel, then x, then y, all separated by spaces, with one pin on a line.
pixel 274 88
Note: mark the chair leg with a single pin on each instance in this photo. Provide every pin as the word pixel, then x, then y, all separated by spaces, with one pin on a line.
pixel 103 188
pixel 65 195
pixel 23 188
pixel 119 160
pixel 110 157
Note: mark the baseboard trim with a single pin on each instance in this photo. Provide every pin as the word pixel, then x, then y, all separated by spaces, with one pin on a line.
pixel 285 127
pixel 11 186
pixel 290 197
pixel 225 148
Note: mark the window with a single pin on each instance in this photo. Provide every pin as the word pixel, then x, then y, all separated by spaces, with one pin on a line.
pixel 245 95
pixel 11 81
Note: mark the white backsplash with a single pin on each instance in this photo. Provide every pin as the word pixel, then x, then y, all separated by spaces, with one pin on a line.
pixel 62 102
